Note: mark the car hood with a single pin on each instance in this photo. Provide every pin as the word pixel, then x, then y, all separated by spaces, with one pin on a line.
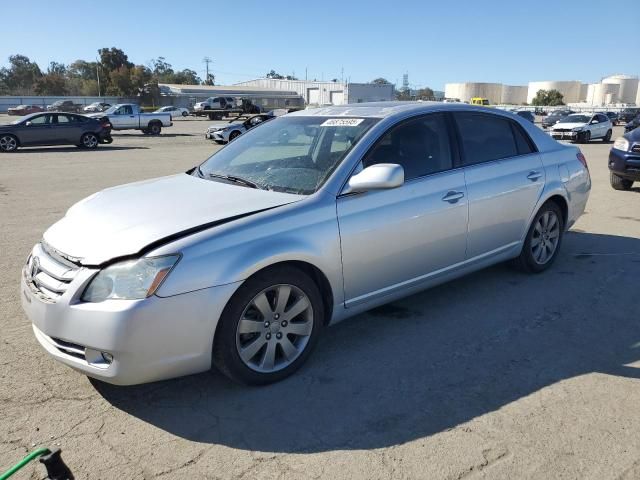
pixel 569 125
pixel 123 220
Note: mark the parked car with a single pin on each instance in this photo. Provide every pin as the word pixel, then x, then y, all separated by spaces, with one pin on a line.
pixel 624 161
pixel 527 115
pixel 96 107
pixel 629 114
pixel 64 106
pixel 225 133
pixel 215 103
pixel 128 116
pixel 583 127
pixel 613 116
pixel 554 117
pixel 242 261
pixel 173 111
pixel 632 125
pixel 40 129
pixel 21 110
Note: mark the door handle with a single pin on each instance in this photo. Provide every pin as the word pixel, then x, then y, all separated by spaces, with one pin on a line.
pixel 452 196
pixel 533 176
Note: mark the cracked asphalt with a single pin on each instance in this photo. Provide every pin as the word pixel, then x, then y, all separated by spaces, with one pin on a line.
pixel 497 375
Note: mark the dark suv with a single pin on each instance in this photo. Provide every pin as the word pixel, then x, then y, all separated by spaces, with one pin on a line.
pixel 628 114
pixel 624 161
pixel 64 106
pixel 553 117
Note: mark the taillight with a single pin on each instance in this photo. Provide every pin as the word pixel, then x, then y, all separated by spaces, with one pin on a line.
pixel 106 125
pixel 582 159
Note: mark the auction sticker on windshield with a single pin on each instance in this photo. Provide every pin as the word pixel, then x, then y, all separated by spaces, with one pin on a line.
pixel 342 122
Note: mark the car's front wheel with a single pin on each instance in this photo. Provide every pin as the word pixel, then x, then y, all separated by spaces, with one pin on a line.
pixel 269 327
pixel 8 143
pixel 619 183
pixel 543 240
pixel 607 137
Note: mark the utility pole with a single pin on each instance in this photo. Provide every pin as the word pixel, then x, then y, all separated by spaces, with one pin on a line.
pixel 98 74
pixel 207 60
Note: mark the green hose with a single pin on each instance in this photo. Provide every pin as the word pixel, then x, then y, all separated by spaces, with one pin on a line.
pixel 24 461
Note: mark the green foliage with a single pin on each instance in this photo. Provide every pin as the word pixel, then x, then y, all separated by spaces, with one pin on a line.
pixel 548 98
pixel 113 71
pixel 381 81
pixel 276 75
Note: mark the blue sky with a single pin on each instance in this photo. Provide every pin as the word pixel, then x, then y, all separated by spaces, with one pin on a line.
pixel 511 42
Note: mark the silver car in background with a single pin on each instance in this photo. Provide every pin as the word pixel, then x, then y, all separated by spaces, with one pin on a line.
pixel 311 218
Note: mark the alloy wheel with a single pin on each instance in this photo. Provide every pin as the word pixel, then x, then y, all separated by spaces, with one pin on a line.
pixel 274 328
pixel 90 141
pixel 8 143
pixel 546 236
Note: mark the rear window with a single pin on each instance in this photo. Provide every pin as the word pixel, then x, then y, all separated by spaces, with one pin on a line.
pixel 486 137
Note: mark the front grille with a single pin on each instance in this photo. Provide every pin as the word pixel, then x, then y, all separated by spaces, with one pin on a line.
pixel 48 273
pixel 636 148
pixel 561 129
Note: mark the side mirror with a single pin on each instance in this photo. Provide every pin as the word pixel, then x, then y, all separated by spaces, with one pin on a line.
pixel 381 176
pixel 593 122
pixel 28 124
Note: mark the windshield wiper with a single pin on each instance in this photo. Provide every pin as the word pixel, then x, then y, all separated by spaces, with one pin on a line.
pixel 231 178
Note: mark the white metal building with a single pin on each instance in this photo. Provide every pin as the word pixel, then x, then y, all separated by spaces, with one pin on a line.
pixel 325 93
pixel 514 94
pixel 628 87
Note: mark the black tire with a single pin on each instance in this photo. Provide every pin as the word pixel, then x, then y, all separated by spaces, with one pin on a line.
pixel 586 137
pixel 225 352
pixel 154 128
pixel 89 140
pixel 607 137
pixel 219 142
pixel 619 183
pixel 185 114
pixel 8 143
pixel 233 135
pixel 526 261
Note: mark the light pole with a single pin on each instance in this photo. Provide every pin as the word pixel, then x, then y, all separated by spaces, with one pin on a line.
pixel 98 75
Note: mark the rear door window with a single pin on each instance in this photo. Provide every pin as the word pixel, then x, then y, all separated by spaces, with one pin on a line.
pixel 485 138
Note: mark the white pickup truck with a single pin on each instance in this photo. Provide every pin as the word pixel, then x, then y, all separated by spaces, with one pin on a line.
pixel 127 116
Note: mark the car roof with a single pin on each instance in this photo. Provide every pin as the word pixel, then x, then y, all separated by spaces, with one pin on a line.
pixel 387 109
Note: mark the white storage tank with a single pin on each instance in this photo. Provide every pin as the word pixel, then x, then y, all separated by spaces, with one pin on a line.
pixel 627 87
pixel 570 90
pixel 514 94
pixel 468 90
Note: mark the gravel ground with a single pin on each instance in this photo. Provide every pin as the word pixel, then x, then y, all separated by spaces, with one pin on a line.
pixel 496 375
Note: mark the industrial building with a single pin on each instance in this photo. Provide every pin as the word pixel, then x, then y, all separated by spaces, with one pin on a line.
pixel 468 90
pixel 326 93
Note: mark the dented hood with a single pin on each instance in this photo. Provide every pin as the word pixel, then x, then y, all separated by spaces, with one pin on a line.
pixel 123 220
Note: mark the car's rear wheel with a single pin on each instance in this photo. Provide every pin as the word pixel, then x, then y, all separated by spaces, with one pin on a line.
pixel 89 140
pixel 185 114
pixel 619 183
pixel 607 137
pixel 8 143
pixel 154 128
pixel 269 327
pixel 543 240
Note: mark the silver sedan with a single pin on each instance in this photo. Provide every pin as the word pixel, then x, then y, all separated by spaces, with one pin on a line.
pixel 312 218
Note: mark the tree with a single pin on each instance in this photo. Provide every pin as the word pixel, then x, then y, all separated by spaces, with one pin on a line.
pixel 425 94
pixel 274 74
pixel 51 84
pixel 21 75
pixel 277 76
pixel 381 81
pixel 210 80
pixel 113 58
pixel 162 70
pixel 548 98
pixel 187 77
